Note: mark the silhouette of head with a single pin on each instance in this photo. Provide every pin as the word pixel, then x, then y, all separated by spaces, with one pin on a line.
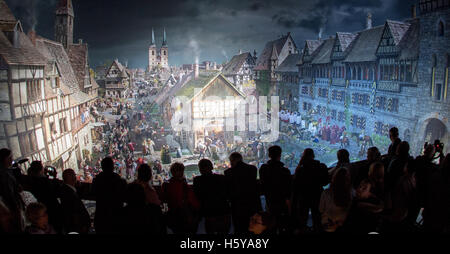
pixel 393 133
pixel 144 173
pixel 69 177
pixel 429 151
pixel 343 156
pixel 177 170
pixel 6 158
pixel 308 154
pixel 235 158
pixel 275 153
pixel 107 165
pixel 205 166
pixel 36 169
pixel 373 154
pixel 36 214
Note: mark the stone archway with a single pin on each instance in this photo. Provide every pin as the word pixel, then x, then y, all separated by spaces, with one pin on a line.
pixel 435 129
pixel 430 127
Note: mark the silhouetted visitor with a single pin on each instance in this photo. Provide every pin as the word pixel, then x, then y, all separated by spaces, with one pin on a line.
pixel 37 216
pixel 11 204
pixel 138 216
pixel 108 189
pixel 436 215
pixel 75 216
pixel 335 202
pixel 343 157
pixel 183 206
pixel 276 183
pixel 211 191
pixel 46 192
pixel 144 178
pixel 242 187
pixel 309 179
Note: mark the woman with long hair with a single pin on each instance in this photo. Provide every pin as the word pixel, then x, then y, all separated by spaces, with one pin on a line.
pixel 335 202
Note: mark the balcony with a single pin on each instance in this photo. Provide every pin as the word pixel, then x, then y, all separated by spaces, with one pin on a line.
pixel 322 81
pixel 338 82
pixel 361 84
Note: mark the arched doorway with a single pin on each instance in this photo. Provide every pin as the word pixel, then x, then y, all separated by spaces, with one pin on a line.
pixel 435 129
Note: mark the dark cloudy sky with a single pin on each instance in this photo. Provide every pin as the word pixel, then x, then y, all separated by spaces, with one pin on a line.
pixel 210 29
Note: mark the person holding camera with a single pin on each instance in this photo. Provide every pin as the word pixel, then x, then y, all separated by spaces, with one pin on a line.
pixel 11 204
pixel 45 187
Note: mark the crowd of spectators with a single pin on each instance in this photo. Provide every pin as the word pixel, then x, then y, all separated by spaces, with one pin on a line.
pixel 382 194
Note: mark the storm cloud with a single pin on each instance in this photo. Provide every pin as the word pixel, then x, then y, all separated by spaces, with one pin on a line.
pixel 122 29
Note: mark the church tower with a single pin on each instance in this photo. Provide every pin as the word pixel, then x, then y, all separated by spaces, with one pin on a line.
pixel 64 23
pixel 152 53
pixel 164 52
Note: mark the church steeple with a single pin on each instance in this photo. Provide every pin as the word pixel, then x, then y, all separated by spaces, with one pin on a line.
pixel 153 38
pixel 64 22
pixel 164 38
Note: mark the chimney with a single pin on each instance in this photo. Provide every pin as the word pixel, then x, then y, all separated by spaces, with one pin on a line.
pixel 413 11
pixel 196 71
pixel 369 21
pixel 240 51
pixel 215 66
pixel 207 66
pixel 32 36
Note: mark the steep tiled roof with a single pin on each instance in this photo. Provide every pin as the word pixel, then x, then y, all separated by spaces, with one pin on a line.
pixel 236 63
pixel 312 45
pixel 5 13
pixel 55 51
pixel 24 54
pixel 323 54
pixel 263 59
pixel 79 98
pixel 78 54
pixel 289 64
pixel 409 45
pixel 345 39
pixel 398 29
pixel 364 46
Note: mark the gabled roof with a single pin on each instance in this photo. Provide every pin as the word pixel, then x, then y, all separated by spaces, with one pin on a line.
pixel 398 29
pixel 323 55
pixel 364 46
pixel 5 13
pixel 203 79
pixel 236 63
pixel 345 39
pixel 24 54
pixel 289 64
pixel 55 52
pixel 268 52
pixel 311 46
pixel 78 55
pixel 409 45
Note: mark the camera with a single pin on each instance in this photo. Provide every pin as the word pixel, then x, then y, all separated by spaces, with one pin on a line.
pixel 50 172
pixel 439 146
